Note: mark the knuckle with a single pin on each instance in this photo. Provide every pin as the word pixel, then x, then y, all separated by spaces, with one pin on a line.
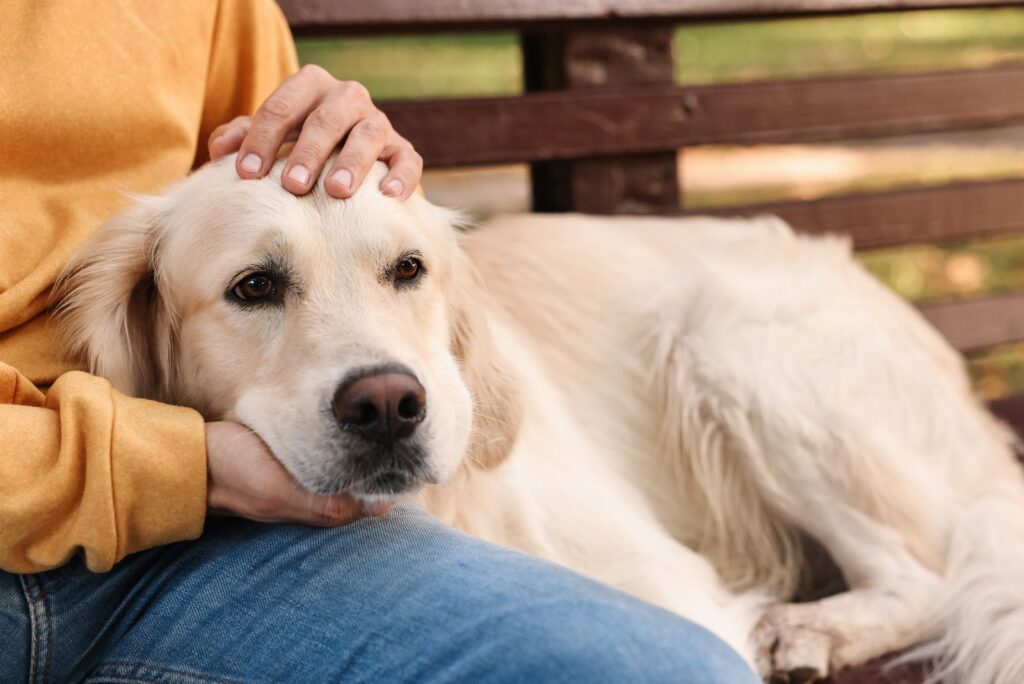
pixel 305 155
pixel 276 108
pixel 258 140
pixel 354 90
pixel 314 71
pixel 352 160
pixel 325 118
pixel 372 127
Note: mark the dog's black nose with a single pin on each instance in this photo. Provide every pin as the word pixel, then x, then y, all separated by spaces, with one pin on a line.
pixel 382 407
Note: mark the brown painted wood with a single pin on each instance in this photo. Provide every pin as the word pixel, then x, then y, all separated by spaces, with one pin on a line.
pixel 395 15
pixel 921 215
pixel 587 58
pixel 927 215
pixel 882 671
pixel 628 120
pixel 976 324
pixel 1011 410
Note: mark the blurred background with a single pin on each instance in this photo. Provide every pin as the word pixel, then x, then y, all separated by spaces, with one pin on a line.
pixel 473 65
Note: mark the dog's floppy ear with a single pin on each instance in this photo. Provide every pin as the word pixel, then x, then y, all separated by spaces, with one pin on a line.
pixel 110 313
pixel 497 411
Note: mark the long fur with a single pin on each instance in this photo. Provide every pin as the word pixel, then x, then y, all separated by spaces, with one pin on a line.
pixel 673 407
pixel 111 309
pixel 980 617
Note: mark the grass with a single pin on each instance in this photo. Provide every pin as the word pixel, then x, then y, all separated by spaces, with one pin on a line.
pixel 866 43
pixel 406 67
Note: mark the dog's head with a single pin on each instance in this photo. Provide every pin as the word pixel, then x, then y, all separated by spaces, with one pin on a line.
pixel 346 334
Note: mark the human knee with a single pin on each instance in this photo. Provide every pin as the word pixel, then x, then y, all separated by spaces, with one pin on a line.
pixel 618 642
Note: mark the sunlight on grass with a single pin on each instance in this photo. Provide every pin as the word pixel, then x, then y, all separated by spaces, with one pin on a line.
pixel 401 67
pixel 866 43
pixel 723 175
pixel 926 272
pixel 998 372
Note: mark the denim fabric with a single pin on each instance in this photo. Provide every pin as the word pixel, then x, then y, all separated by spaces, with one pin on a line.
pixel 397 599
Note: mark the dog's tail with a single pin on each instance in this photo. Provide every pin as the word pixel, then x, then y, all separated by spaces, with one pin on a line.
pixel 980 619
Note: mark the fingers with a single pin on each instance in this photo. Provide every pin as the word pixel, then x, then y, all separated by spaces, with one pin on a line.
pixel 363 147
pixel 321 133
pixel 328 511
pixel 406 169
pixel 245 480
pixel 318 112
pixel 227 138
pixel 282 112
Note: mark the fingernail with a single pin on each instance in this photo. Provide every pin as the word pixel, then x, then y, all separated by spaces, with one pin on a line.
pixel 344 178
pixel 394 187
pixel 299 174
pixel 251 163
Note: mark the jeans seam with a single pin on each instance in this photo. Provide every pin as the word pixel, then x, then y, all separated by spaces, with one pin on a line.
pixel 140 672
pixel 41 625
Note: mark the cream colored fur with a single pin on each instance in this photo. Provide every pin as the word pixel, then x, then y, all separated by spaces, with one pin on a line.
pixel 671 406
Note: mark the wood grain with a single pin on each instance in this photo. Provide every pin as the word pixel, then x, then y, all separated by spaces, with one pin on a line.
pixel 976 324
pixel 587 58
pixel 921 215
pixel 1011 410
pixel 340 16
pixel 628 120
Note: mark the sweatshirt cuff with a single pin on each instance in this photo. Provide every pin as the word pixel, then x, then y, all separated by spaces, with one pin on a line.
pixel 158 473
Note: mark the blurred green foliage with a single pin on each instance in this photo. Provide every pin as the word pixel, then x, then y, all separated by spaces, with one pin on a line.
pixel 403 67
pixel 866 43
pixel 927 272
pixel 460 65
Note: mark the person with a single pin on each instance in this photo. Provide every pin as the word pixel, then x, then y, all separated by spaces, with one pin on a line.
pixel 113 563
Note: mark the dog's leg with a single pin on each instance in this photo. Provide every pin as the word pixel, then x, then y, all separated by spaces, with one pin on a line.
pixel 770 462
pixel 885 610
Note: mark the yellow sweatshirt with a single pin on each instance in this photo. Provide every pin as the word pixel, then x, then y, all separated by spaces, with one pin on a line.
pixel 98 99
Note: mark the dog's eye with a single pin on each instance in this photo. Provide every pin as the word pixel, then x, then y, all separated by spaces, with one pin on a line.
pixel 408 268
pixel 254 287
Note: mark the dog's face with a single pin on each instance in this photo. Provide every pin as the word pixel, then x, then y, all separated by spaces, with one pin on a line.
pixel 339 331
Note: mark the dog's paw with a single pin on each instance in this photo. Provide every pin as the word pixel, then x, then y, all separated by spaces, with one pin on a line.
pixel 789 649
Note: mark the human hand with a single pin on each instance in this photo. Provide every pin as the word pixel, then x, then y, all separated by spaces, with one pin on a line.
pixel 317 111
pixel 245 480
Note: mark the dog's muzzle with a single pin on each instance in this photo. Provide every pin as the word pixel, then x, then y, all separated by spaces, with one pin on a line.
pixel 381 408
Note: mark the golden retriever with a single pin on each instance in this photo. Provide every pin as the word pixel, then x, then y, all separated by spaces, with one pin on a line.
pixel 682 408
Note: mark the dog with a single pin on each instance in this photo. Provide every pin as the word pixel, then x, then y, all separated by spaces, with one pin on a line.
pixel 682 408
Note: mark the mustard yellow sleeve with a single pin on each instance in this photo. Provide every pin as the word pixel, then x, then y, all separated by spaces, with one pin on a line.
pixel 85 467
pixel 251 54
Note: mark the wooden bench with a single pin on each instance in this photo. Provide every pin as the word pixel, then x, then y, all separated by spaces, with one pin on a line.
pixel 602 122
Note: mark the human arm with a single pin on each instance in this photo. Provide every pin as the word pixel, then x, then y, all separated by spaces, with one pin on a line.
pixel 86 468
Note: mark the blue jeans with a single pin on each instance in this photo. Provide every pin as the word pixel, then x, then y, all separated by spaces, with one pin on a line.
pixel 397 599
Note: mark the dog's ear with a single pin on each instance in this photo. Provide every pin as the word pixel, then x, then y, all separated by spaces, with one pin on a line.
pixel 110 312
pixel 497 411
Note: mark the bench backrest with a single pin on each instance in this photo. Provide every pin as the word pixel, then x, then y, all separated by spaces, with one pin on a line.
pixel 602 121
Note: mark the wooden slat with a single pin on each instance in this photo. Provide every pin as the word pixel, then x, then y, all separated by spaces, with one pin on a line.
pixel 1011 410
pixel 883 671
pixel 975 324
pixel 923 215
pixel 613 121
pixel 360 15
pixel 588 57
